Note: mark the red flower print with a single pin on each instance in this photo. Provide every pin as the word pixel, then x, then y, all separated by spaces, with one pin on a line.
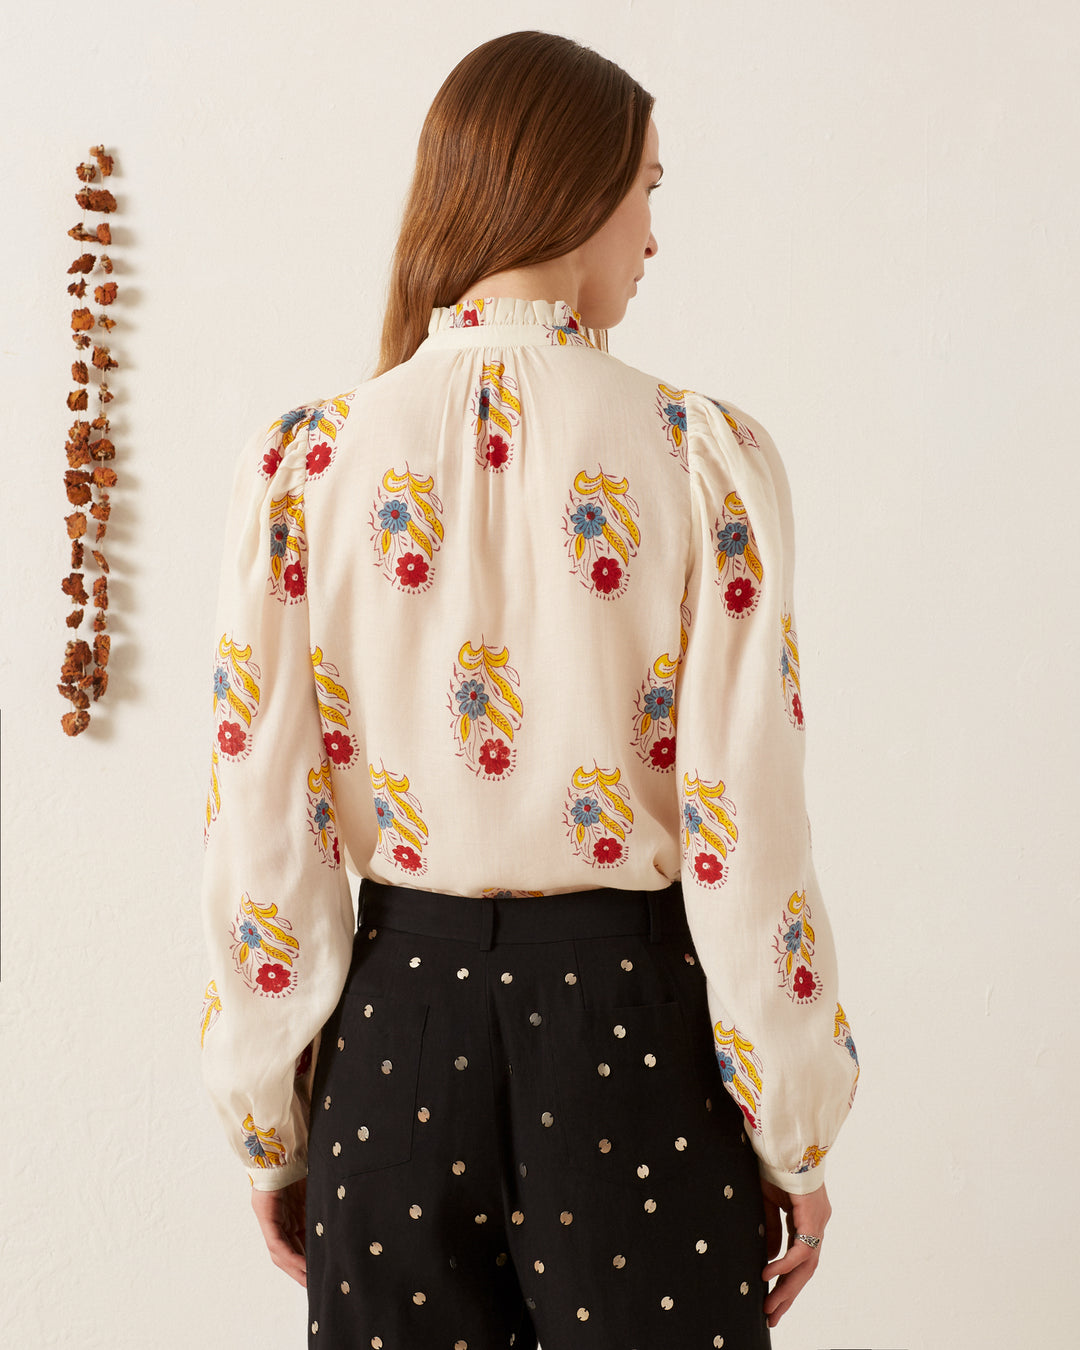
pixel 796 708
pixel 232 738
pixel 739 595
pixel 337 852
pixel 412 569
pixel 749 1116
pixel 708 868
pixel 407 857
pixel 338 746
pixel 318 458
pixel 270 463
pixel 572 323
pixel 294 579
pixel 469 319
pixel 497 451
pixel 494 755
pixel 606 575
pixel 804 982
pixel 273 978
pixel 607 851
pixel 663 753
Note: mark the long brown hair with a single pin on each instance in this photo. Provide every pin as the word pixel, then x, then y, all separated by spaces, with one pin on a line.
pixel 528 147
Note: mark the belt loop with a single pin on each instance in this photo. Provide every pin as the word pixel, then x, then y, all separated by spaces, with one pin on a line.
pixel 487 922
pixel 655 925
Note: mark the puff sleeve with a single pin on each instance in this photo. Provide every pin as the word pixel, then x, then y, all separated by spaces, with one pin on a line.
pixel 276 907
pixel 752 898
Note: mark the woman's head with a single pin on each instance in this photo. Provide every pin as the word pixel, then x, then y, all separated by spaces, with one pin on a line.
pixel 534 147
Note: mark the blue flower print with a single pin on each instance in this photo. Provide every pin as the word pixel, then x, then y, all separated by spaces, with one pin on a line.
pixel 383 814
pixel 394 516
pixel 784 667
pixel 485 402
pixel 658 702
pixel 279 537
pixel 793 937
pixel 676 415
pixel 221 683
pixel 253 1146
pixel 292 419
pixel 472 698
pixel 322 814
pixel 588 520
pixel 250 934
pixel 692 818
pixel 732 539
pixel 849 1046
pixel 727 1066
pixel 586 811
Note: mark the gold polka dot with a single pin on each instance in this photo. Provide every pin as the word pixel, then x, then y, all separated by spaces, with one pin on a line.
pixel 619 1030
pixel 680 1143
pixel 761 1230
pixel 341 1192
pixel 376 1343
pixel 718 1342
pixel 728 1192
pixel 618 1261
pixel 744 1288
pixel 501 1259
pixel 326 1104
pixel 371 934
pixel 415 1211
pixel 341 1042
pixel 458 1168
pixel 423 1114
pixel 414 961
pixel 314 1328
pixel 538 1266
pixel 689 959
pixel 650 1061
pixel 626 963
pixel 643 1171
pixel 506 977
pixel 547 1119
pixel 667 1303
pixel 461 1345
pixel 583 1314
pixel 318 1230
pixel 708 1103
pixel 566 1218
pixel 461 1062
pixel 605 1145
pixel 463 973
pixel 742 1136
pixel 650 1206
pixel 419 1297
pixel 480 1218
pixel 368 1009
pixel 337 1150
pixel 517 1217
pixel 375 1248
pixel 603 1070
pixel 535 1019
pixel 570 977
pixel 363 1133
pixel 524 1171
pixel 344 1286
pixel 701 1245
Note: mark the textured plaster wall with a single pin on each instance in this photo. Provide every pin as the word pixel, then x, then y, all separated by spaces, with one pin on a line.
pixel 868 239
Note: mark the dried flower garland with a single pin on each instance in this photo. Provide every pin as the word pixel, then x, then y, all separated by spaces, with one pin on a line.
pixel 84 673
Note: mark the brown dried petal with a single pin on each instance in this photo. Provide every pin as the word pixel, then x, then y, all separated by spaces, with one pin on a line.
pixel 79 372
pixel 104 394
pixel 78 288
pixel 76 551
pixel 77 455
pixel 81 319
pixel 100 510
pixel 103 476
pixel 76 527
pixel 101 560
pixel 102 449
pixel 87 172
pixel 105 162
pixel 104 233
pixel 79 430
pixel 102 643
pixel 96 199
pixel 105 322
pixel 74 618
pixel 101 621
pixel 99 533
pixel 100 682
pixel 105 294
pixel 101 593
pixel 81 340
pixel 83 235
pixel 73 585
pixel 103 360
pixel 83 263
pixel 78 650
pixel 76 400
pixel 74 722
pixel 106 263
pixel 100 424
pixel 77 696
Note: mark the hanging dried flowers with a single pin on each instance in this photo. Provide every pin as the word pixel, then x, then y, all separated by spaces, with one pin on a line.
pixel 84 672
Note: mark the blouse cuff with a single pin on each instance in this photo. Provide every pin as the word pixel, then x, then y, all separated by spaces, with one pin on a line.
pixel 795 1183
pixel 275 1178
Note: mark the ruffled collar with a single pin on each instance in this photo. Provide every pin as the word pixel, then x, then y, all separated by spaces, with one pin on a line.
pixel 548 322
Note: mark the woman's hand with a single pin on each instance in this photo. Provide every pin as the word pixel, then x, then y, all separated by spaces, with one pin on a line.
pixel 805 1214
pixel 281 1218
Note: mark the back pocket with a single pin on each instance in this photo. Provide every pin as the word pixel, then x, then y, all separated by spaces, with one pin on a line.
pixel 364 1104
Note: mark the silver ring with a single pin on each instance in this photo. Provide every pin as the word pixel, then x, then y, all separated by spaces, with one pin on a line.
pixel 810 1241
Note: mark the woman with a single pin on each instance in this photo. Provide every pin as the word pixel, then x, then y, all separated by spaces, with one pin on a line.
pixel 509 626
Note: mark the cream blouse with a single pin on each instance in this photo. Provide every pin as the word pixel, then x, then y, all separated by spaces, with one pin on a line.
pixel 513 618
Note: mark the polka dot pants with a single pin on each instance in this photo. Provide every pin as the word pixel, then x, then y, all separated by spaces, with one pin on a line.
pixel 519 1133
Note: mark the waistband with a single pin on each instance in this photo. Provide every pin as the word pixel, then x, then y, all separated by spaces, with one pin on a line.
pixel 487 920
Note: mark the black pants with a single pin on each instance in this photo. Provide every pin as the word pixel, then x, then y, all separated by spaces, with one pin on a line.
pixel 519 1131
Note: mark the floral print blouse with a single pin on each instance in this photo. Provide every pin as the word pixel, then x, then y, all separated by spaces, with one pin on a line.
pixel 513 618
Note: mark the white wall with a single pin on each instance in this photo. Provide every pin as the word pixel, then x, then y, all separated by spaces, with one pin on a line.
pixel 868 239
